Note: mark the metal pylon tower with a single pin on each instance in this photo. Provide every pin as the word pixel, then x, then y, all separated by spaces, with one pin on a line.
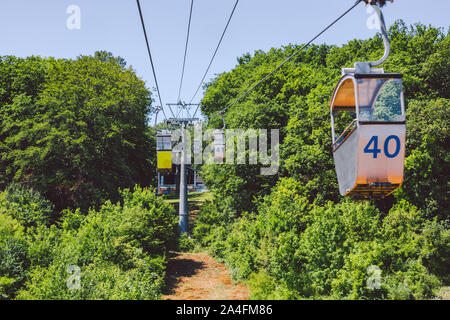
pixel 183 118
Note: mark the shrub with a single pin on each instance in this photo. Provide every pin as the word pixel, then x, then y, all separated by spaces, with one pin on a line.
pixel 13 256
pixel 10 228
pixel 97 281
pixel 303 251
pixel 241 248
pixel 120 250
pixel 26 206
pixel 264 287
pixel 13 265
pixel 208 219
pixel 437 236
pixel 413 282
pixel 149 221
pixel 216 242
pixel 427 162
pixel 186 243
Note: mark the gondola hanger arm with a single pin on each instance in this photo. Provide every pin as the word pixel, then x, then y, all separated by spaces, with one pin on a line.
pixel 365 67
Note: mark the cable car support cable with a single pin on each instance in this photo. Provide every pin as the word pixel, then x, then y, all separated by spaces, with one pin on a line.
pixel 185 50
pixel 151 60
pixel 215 51
pixel 287 59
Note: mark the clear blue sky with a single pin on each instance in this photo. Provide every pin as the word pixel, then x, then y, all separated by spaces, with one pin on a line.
pixel 38 27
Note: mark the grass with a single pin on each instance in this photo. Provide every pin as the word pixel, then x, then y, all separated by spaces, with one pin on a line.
pixel 195 201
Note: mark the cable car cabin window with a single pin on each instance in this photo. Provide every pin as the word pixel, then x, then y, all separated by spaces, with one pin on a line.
pixel 164 143
pixel 380 100
pixel 344 123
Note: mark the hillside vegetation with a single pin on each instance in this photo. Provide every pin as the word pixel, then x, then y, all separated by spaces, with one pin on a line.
pixel 291 236
pixel 79 218
pixel 74 130
pixel 74 142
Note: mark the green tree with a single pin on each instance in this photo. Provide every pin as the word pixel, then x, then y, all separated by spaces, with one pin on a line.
pixel 427 163
pixel 75 130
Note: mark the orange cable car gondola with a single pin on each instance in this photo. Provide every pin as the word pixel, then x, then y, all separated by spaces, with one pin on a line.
pixel 369 153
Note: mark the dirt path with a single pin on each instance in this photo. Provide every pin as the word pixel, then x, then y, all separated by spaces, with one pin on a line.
pixel 196 276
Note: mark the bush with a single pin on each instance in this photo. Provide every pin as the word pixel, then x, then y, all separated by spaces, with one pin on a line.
pixel 427 162
pixel 264 287
pixel 120 251
pixel 241 248
pixel 208 219
pixel 334 231
pixel 216 242
pixel 401 251
pixel 10 228
pixel 437 236
pixel 186 243
pixel 97 281
pixel 14 263
pixel 26 206
pixel 414 282
pixel 44 245
pixel 302 251
pixel 149 221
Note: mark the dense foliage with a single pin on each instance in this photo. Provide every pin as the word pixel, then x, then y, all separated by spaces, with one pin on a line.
pixel 119 249
pixel 295 237
pixel 74 140
pixel 296 101
pixel 74 130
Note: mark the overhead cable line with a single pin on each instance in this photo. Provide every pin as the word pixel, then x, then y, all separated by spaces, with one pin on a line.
pixel 286 60
pixel 151 60
pixel 215 51
pixel 185 50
